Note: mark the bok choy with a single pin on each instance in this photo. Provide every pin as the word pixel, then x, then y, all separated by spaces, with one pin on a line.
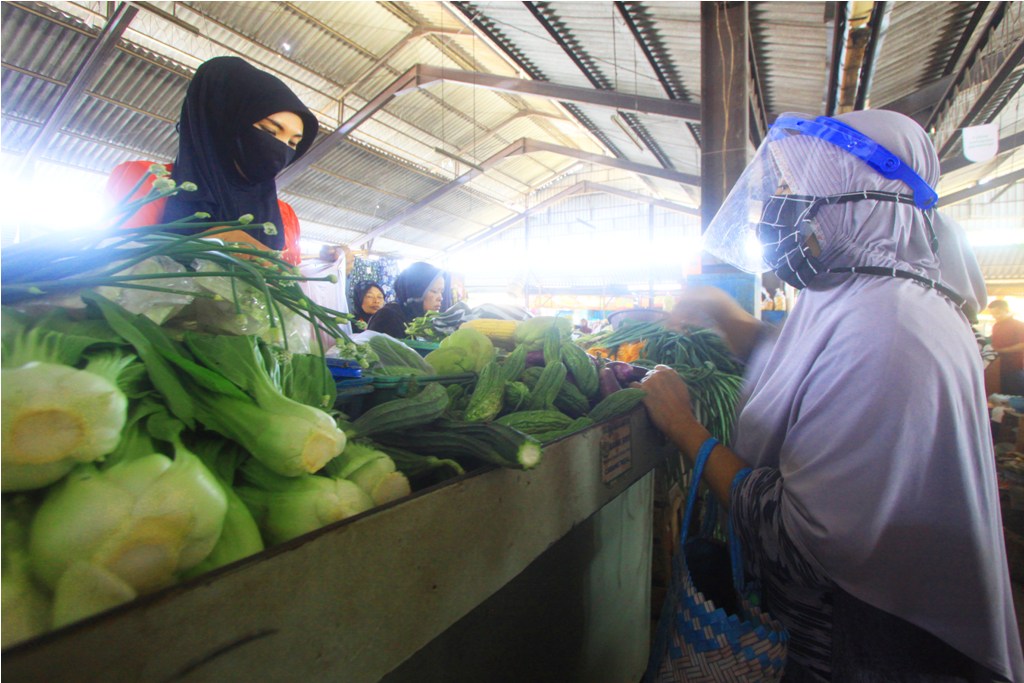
pixel 221 382
pixel 55 416
pixel 143 521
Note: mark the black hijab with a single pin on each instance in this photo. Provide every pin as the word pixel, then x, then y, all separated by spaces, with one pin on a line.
pixel 358 292
pixel 226 96
pixel 410 286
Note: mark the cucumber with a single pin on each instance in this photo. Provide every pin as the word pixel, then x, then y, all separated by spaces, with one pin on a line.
pixel 571 400
pixel 402 413
pixel 482 441
pixel 536 421
pixel 543 393
pixel 486 400
pixel 621 401
pixel 581 368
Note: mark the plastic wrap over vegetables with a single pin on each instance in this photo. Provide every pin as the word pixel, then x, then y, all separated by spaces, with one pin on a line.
pixel 240 309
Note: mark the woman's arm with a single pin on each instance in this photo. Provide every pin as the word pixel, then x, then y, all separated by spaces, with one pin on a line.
pixel 668 404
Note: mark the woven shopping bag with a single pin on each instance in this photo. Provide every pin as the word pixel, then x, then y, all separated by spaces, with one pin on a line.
pixel 698 640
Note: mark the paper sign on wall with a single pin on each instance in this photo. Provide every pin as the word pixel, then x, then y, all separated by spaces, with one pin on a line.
pixel 981 143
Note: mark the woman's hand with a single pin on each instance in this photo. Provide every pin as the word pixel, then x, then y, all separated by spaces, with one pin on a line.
pixel 668 404
pixel 667 400
pixel 710 307
pixel 242 236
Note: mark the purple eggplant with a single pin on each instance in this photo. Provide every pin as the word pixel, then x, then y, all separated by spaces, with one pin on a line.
pixel 535 358
pixel 625 373
pixel 607 383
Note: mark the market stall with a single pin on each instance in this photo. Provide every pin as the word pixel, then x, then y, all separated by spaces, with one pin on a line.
pixel 214 496
pixel 357 599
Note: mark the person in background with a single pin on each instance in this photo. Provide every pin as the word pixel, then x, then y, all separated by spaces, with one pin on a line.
pixel 861 475
pixel 1008 342
pixel 334 260
pixel 239 128
pixel 418 290
pixel 583 327
pixel 367 299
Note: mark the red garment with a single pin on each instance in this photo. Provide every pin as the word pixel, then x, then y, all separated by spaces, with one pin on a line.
pixel 124 177
pixel 1007 333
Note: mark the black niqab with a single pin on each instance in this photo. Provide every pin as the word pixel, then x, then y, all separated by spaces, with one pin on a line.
pixel 226 97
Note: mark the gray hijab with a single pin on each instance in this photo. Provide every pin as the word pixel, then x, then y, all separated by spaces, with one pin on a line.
pixel 872 405
pixel 958 265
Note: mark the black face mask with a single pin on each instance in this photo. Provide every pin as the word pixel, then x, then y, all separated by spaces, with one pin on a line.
pixel 261 156
pixel 785 220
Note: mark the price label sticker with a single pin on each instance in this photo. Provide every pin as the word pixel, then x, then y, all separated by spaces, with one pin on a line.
pixel 616 449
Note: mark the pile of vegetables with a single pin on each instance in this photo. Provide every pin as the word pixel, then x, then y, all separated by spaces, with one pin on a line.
pixel 161 417
pixel 165 412
pixel 713 375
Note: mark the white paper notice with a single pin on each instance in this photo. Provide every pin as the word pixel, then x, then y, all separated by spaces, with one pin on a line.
pixel 981 143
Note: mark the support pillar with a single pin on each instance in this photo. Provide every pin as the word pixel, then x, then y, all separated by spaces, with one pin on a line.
pixel 725 131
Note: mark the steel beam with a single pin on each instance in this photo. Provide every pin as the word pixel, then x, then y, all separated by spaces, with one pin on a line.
pixel 835 67
pixel 947 97
pixel 611 99
pixel 582 187
pixel 879 25
pixel 509 222
pixel 423 74
pixel 101 50
pixel 758 112
pixel 965 37
pixel 960 196
pixel 725 101
pixel 382 61
pixel 410 80
pixel 918 104
pixel 674 91
pixel 492 34
pixel 516 147
pixel 640 198
pixel 613 162
pixel 1014 62
pixel 527 146
pixel 488 133
pixel 592 72
pixel 1007 144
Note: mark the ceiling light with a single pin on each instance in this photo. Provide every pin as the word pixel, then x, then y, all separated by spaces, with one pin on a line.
pixel 286 46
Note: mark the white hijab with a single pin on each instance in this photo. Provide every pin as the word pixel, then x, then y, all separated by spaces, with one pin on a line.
pixel 872 405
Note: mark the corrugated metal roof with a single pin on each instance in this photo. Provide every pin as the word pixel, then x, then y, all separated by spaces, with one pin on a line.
pixel 28 98
pixel 917 47
pixel 341 55
pixel 36 42
pixel 790 43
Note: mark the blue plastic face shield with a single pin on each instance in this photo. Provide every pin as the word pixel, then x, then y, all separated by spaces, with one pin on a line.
pixel 861 146
pixel 808 158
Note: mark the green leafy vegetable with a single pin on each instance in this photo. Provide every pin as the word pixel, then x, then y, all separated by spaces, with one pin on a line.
pixel 229 391
pixel 55 416
pixel 464 350
pixel 286 507
pixel 145 521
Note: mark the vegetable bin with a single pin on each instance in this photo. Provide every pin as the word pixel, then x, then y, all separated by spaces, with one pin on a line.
pixel 497 575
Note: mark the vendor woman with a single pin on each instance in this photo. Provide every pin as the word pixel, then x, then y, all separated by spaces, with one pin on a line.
pixel 239 128
pixel 418 290
pixel 367 299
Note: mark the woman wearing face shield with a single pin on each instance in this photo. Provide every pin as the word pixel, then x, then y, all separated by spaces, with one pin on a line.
pixel 861 476
pixel 418 290
pixel 239 128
